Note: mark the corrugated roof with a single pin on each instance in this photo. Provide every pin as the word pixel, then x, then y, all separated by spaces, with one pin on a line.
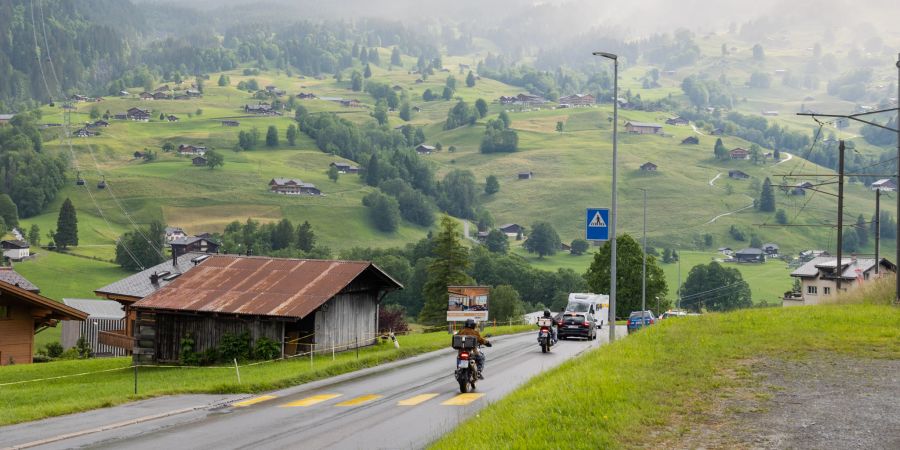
pixel 138 285
pixel 10 276
pixel 261 286
pixel 645 124
pixel 97 309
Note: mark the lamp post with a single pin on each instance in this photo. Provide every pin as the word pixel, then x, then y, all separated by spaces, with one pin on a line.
pixel 644 262
pixel 613 212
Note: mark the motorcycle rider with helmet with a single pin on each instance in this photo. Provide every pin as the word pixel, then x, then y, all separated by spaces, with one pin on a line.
pixel 554 324
pixel 470 330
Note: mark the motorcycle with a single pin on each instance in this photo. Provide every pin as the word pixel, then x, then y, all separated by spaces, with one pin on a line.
pixel 466 372
pixel 545 335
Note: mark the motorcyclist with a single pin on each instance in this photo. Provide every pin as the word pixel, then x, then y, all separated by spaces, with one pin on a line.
pixel 470 330
pixel 554 324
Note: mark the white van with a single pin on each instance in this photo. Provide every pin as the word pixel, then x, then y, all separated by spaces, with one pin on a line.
pixel 596 304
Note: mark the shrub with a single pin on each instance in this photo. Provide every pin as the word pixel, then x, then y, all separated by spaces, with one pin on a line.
pixel 266 349
pixel 83 348
pixel 187 355
pixel 53 349
pixel 235 346
pixel 391 318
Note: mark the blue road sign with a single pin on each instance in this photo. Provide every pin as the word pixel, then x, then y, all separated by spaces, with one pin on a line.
pixel 597 224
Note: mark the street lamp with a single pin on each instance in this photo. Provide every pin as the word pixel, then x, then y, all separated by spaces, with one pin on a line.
pixel 644 254
pixel 613 213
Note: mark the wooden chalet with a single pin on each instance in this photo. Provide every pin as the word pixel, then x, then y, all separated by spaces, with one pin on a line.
pixel 146 95
pixel 512 230
pixel 526 175
pixel 292 186
pixel 739 153
pixel 15 250
pixel 737 175
pixel 191 150
pixel 648 167
pixel 800 188
pixel 307 305
pixel 84 132
pixel 306 96
pixel 198 161
pixel 677 121
pixel 771 249
pixel 643 128
pixel 161 96
pixel 230 123
pixel 884 185
pixel 172 118
pixel 691 140
pixel 23 314
pixel 345 167
pixel 578 100
pixel 138 114
pixel 423 149
pixel 750 255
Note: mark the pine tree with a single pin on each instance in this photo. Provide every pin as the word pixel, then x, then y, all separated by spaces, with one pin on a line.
pixel 395 57
pixel 372 171
pixel 862 232
pixel 291 134
pixel 767 197
pixel 720 151
pixel 66 226
pixel 368 72
pixel 470 79
pixel 448 268
pixel 272 136
pixel 306 239
pixel 491 185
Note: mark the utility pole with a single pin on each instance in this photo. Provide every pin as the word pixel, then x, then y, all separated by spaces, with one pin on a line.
pixel 644 265
pixel 839 266
pixel 877 227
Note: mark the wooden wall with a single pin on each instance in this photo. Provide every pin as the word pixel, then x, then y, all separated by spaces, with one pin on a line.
pixel 347 319
pixel 207 331
pixel 16 335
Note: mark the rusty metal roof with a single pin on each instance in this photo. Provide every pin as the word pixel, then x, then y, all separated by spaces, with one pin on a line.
pixel 261 286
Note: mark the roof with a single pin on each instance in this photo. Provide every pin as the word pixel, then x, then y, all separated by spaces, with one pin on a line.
pixel 749 251
pixel 770 244
pixel 138 285
pixel 508 225
pixel 97 309
pixel 261 286
pixel 13 278
pixel 850 265
pixel 58 310
pixel 7 116
pixel 15 243
pixel 644 124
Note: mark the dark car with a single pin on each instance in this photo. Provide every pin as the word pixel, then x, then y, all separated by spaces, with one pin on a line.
pixel 635 323
pixel 577 324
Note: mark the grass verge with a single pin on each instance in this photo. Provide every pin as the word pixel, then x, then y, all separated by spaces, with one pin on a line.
pixel 37 400
pixel 655 382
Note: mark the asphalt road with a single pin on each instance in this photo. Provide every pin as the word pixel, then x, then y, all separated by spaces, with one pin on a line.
pixel 406 406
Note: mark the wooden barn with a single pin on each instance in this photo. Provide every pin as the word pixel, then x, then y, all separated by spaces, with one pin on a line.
pixel 301 304
pixel 23 314
pixel 104 315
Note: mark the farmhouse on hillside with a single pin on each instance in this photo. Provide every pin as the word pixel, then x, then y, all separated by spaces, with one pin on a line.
pixel 15 249
pixel 800 188
pixel 423 149
pixel 104 315
pixel 739 153
pixel 198 161
pixel 750 255
pixel 643 128
pixel 512 230
pixel 526 175
pixel 193 244
pixel 691 140
pixel 737 174
pixel 818 278
pixel 771 249
pixel 292 186
pixel 138 114
pixel 578 100
pixel 677 121
pixel 309 305
pixel 24 313
pixel 648 167
pixel 191 150
pixel 885 185
pixel 344 167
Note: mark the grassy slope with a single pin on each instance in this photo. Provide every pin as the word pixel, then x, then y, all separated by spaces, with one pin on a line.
pixel 27 401
pixel 662 367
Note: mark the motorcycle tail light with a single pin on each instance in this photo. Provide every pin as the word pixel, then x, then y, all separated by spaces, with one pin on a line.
pixel 463 355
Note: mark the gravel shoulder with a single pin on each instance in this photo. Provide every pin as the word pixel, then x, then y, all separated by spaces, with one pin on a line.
pixel 821 401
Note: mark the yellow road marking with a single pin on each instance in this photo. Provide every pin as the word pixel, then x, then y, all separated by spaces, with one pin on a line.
pixel 312 400
pixel 254 401
pixel 413 401
pixel 359 400
pixel 462 399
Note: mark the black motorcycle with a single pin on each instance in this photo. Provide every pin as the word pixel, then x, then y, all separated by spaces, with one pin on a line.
pixel 466 372
pixel 545 335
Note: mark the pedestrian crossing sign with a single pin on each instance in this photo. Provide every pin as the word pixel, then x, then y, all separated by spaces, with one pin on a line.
pixel 597 224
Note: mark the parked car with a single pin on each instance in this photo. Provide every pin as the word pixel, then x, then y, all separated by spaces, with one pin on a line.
pixel 577 324
pixel 635 323
pixel 673 313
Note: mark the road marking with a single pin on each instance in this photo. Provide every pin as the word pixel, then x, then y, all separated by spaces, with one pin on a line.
pixel 462 399
pixel 413 401
pixel 312 400
pixel 254 401
pixel 359 400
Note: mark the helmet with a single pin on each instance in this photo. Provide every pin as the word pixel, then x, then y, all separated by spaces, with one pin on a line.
pixel 470 323
pixel 546 313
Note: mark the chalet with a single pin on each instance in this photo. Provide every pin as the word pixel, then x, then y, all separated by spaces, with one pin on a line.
pixel 24 313
pixel 172 118
pixel 198 161
pixel 416 109
pixel 344 167
pixel 750 255
pixel 739 153
pixel 504 100
pixel 737 175
pixel 9 276
pixel 884 184
pixel 79 98
pixel 727 251
pixel 310 305
pixel 84 132
pixel 481 236
pixel 526 175
pixel 292 186
pixel 193 93
pixel 819 278
pixel 102 315
pixel 163 88
pixel 161 96
pixel 306 96
pixel 191 150
pixel 397 87
pixel 138 114
pixel 5 118
pixel 691 140
pixel 717 132
pixel 230 123
pixel 578 100
pixel 120 116
pixel 15 249
pixel 512 230
pixel 193 244
pixel 808 255
pixel 648 167
pixel 261 108
pixel 423 149
pixel 643 128
pixel 677 121
pixel 351 103
pixel 97 124
pixel 124 93
pixel 800 188
pixel 173 233
pixel 770 113
pixel 530 100
pixel 771 249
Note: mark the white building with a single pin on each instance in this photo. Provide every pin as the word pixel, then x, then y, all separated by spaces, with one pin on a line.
pixel 818 278
pixel 15 250
pixel 105 315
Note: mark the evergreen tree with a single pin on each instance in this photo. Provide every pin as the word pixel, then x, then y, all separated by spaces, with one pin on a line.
pixel 767 197
pixel 367 73
pixel 470 79
pixel 373 175
pixel 491 185
pixel 356 81
pixel 66 226
pixel 306 238
pixel 448 268
pixel 291 135
pixel 481 107
pixel 497 241
pixel 282 235
pixel 395 57
pixel 719 151
pixel 374 57
pixel 781 217
pixel 504 117
pixel 333 173
pixel 34 235
pixel 272 136
pixel 8 211
pixel 405 112
pixel 223 80
pixel 363 56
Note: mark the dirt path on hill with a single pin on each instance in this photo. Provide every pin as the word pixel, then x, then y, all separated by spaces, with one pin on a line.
pixel 823 401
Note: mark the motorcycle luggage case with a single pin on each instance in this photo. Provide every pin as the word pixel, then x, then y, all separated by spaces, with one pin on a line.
pixel 464 342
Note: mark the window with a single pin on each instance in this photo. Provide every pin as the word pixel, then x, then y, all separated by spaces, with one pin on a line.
pixel 4 312
pixel 827 291
pixel 811 290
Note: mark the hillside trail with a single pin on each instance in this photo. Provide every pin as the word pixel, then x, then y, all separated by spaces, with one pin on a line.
pixel 789 157
pixel 714 219
pixel 694 127
pixel 711 182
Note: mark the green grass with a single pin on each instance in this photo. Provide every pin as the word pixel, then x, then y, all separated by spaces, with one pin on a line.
pixel 36 400
pixel 663 378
